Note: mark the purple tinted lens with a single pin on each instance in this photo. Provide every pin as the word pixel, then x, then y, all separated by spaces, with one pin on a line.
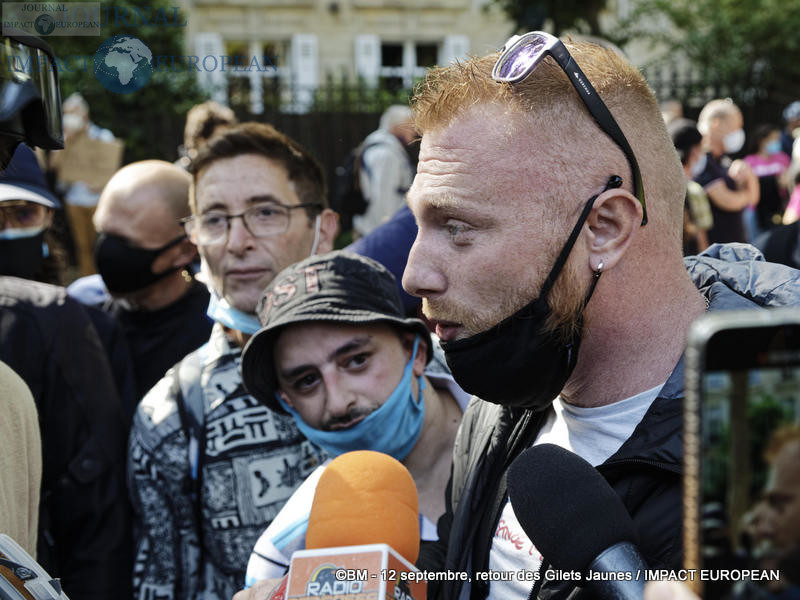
pixel 522 58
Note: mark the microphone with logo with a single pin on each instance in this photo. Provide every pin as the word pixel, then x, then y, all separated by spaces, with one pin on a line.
pixel 577 521
pixel 363 533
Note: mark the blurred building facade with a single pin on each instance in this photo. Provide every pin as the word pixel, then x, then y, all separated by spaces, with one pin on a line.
pixel 299 44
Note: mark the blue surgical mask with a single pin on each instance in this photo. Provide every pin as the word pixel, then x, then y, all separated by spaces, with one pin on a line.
pixel 393 429
pixel 17 233
pixel 733 141
pixel 772 147
pixel 222 312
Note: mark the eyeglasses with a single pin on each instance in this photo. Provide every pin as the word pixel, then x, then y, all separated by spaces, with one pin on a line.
pixel 262 220
pixel 29 77
pixel 522 54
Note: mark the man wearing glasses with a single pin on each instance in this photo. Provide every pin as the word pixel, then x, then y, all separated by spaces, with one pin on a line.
pixel 209 465
pixel 549 260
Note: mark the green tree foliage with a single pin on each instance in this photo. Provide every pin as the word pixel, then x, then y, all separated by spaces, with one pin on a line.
pixel 578 15
pixel 752 41
pixel 151 119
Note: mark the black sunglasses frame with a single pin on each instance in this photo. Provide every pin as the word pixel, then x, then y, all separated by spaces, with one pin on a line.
pixel 591 99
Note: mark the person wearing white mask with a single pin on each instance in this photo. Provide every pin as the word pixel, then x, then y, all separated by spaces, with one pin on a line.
pixel 209 465
pixel 731 185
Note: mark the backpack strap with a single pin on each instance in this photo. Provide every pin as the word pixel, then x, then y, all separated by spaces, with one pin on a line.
pixel 188 394
pixel 359 162
pixel 187 390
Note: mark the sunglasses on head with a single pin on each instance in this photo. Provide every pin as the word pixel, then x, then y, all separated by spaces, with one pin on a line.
pixel 522 54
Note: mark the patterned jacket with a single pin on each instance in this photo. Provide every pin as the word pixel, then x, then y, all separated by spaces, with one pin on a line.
pixel 250 464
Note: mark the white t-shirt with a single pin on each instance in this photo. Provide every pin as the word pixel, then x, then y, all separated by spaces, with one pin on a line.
pixel 593 434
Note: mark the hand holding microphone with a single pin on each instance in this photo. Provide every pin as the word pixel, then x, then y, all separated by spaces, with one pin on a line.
pixel 265 589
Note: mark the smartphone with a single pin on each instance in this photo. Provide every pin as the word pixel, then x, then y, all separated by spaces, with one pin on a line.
pixel 742 455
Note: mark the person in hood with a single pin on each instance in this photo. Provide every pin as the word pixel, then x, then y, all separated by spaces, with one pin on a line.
pixel 549 200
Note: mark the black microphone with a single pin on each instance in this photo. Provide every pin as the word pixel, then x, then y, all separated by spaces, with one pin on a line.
pixel 576 520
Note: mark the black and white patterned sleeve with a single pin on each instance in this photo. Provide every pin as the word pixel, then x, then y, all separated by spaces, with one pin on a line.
pixel 166 562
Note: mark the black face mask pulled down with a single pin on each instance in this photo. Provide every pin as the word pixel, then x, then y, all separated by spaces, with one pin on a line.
pixel 516 363
pixel 126 268
pixel 22 256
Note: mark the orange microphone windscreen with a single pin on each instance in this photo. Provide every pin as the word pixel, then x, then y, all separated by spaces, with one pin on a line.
pixel 365 497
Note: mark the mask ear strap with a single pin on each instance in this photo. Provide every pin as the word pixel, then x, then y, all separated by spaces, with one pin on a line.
pixel 421 378
pixel 172 243
pixel 317 225
pixel 614 181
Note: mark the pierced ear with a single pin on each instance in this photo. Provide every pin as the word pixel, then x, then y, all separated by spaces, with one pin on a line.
pixel 613 221
pixel 179 255
pixel 187 252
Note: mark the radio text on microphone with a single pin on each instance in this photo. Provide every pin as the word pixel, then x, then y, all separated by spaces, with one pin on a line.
pixel 331 588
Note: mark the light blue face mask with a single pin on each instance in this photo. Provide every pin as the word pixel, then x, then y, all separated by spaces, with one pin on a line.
pixel 772 147
pixel 219 310
pixel 393 429
pixel 17 233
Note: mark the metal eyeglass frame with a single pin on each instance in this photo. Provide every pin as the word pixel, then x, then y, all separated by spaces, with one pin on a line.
pixel 189 223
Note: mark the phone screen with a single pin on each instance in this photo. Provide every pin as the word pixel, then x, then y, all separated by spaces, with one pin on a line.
pixel 749 463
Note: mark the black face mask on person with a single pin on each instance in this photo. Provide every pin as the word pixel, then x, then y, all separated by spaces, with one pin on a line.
pixel 21 256
pixel 126 268
pixel 517 363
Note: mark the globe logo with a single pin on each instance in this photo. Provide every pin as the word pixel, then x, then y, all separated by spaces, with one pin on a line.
pixel 44 24
pixel 123 64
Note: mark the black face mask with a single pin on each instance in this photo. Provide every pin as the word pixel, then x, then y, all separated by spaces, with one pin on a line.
pixel 517 363
pixel 126 268
pixel 22 256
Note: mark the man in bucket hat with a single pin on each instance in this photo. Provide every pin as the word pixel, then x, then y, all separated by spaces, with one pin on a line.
pixel 337 353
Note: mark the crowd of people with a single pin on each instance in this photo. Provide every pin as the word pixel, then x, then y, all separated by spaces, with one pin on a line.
pixel 170 415
pixel 738 195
